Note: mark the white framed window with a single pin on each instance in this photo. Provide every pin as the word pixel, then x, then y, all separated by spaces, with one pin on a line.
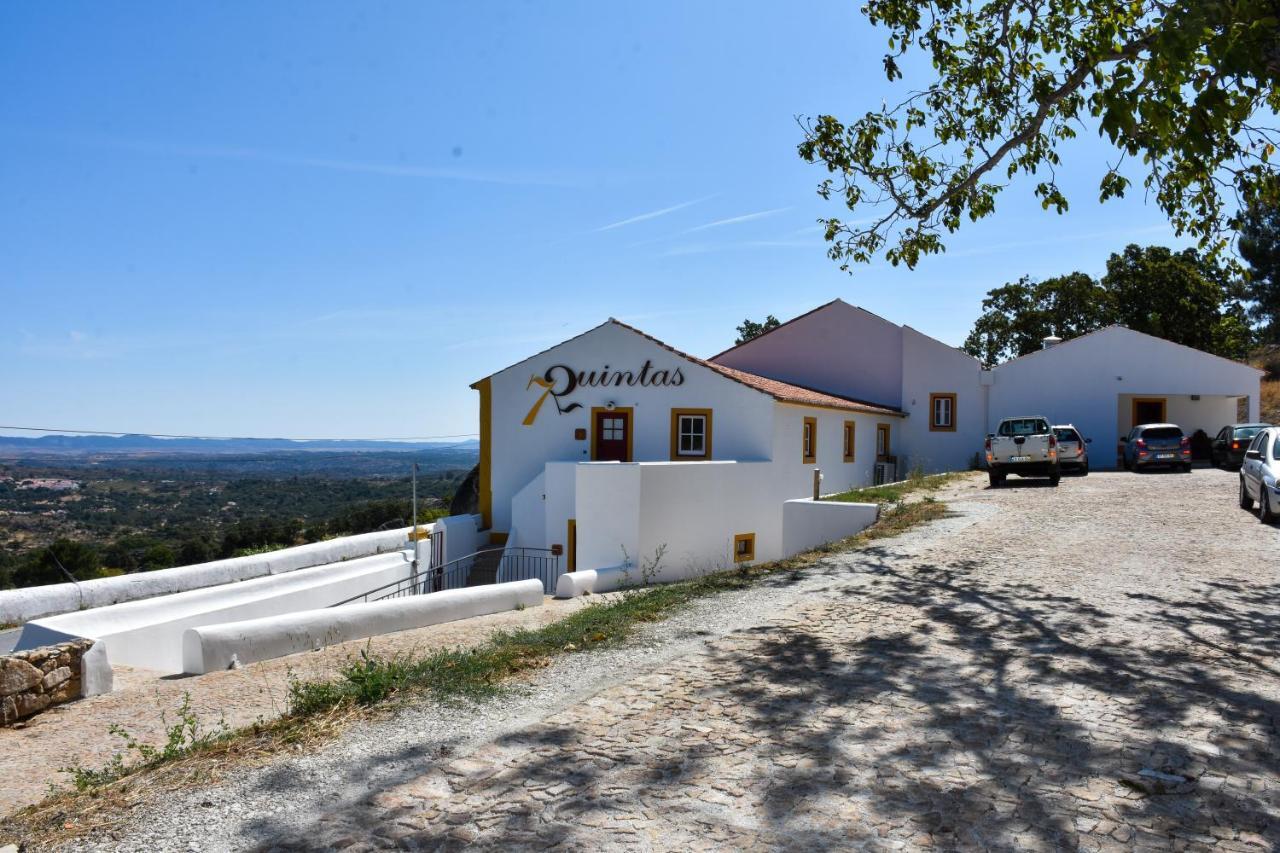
pixel 942 412
pixel 690 434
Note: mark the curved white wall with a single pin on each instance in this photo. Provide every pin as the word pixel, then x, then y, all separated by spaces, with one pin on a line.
pixel 148 633
pixel 806 523
pixel 572 585
pixel 213 647
pixel 22 605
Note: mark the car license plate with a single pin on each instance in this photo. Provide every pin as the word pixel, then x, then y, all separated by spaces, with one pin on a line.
pixel 1019 458
pixel 1164 455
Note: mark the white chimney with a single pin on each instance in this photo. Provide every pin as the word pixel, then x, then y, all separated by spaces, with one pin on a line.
pixel 1051 341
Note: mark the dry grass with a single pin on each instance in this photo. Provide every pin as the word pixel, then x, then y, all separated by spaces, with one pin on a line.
pixel 104 809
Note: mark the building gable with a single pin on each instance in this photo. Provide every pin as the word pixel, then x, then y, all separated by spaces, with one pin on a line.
pixel 837 348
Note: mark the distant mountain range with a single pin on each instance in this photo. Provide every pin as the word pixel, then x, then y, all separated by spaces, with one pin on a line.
pixel 149 444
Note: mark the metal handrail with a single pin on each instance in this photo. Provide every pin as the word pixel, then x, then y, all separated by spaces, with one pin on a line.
pixel 437 578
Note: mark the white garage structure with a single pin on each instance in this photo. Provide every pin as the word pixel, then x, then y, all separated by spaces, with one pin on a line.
pixel 1113 379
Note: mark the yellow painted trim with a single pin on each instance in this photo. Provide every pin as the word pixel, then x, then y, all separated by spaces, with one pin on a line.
pixel 888 442
pixel 812 455
pixel 1133 409
pixel 750 553
pixel 631 428
pixel 675 434
pixel 486 452
pixel 849 439
pixel 571 549
pixel 933 398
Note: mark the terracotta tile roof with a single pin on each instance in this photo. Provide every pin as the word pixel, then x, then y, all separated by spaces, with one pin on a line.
pixel 787 393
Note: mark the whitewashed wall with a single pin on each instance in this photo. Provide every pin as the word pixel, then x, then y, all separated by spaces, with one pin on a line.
pixel 931 367
pixel 838 348
pixel 561 480
pixel 209 648
pixel 741 424
pixel 607 508
pixel 148 633
pixel 1079 381
pixel 21 605
pixel 793 478
pixel 807 523
pixel 528 515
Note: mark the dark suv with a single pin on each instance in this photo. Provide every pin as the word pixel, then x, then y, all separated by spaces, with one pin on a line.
pixel 1229 445
pixel 1154 445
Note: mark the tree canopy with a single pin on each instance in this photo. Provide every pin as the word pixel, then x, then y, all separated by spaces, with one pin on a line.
pixel 1259 246
pixel 1184 88
pixel 1180 296
pixel 751 329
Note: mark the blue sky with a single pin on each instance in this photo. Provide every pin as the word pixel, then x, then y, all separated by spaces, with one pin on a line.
pixel 323 219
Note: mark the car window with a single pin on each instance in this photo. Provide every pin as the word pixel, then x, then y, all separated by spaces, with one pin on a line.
pixel 1253 445
pixel 1264 445
pixel 1066 435
pixel 1024 426
pixel 1248 432
pixel 1162 432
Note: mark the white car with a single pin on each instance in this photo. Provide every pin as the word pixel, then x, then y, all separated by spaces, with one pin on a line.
pixel 1073 454
pixel 1258 482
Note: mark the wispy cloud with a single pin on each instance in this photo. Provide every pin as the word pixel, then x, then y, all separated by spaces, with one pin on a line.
pixel 257 155
pixel 653 214
pixel 704 248
pixel 733 220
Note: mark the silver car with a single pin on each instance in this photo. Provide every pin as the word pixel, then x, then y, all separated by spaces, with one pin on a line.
pixel 1258 481
pixel 1073 450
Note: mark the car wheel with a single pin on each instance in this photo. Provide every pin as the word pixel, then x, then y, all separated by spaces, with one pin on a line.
pixel 997 480
pixel 1246 502
pixel 1265 515
pixel 1054 480
pixel 1084 472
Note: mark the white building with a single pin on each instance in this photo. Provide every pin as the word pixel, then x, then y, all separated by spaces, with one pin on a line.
pixel 620 448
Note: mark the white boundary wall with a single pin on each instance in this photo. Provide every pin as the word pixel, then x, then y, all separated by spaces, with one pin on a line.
pixel 22 605
pixel 626 512
pixel 214 647
pixel 806 523
pixel 148 633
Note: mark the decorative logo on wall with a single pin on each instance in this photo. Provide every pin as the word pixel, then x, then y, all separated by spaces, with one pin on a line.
pixel 559 381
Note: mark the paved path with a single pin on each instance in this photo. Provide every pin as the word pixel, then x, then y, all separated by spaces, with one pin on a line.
pixel 1000 685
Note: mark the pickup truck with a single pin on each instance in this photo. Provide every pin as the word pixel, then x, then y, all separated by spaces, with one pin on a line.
pixel 1024 446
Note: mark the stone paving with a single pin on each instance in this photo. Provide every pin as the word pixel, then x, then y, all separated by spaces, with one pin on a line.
pixel 1090 667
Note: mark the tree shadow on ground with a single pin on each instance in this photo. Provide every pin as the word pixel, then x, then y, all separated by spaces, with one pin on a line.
pixel 930 705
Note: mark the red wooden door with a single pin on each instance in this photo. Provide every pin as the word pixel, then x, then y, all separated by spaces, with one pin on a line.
pixel 612 435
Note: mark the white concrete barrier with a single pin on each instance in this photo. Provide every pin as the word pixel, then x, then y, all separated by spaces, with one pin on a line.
pixel 208 648
pixel 148 633
pixel 22 605
pixel 574 584
pixel 807 523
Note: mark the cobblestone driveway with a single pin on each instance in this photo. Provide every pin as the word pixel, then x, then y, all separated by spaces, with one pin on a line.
pixel 1001 686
